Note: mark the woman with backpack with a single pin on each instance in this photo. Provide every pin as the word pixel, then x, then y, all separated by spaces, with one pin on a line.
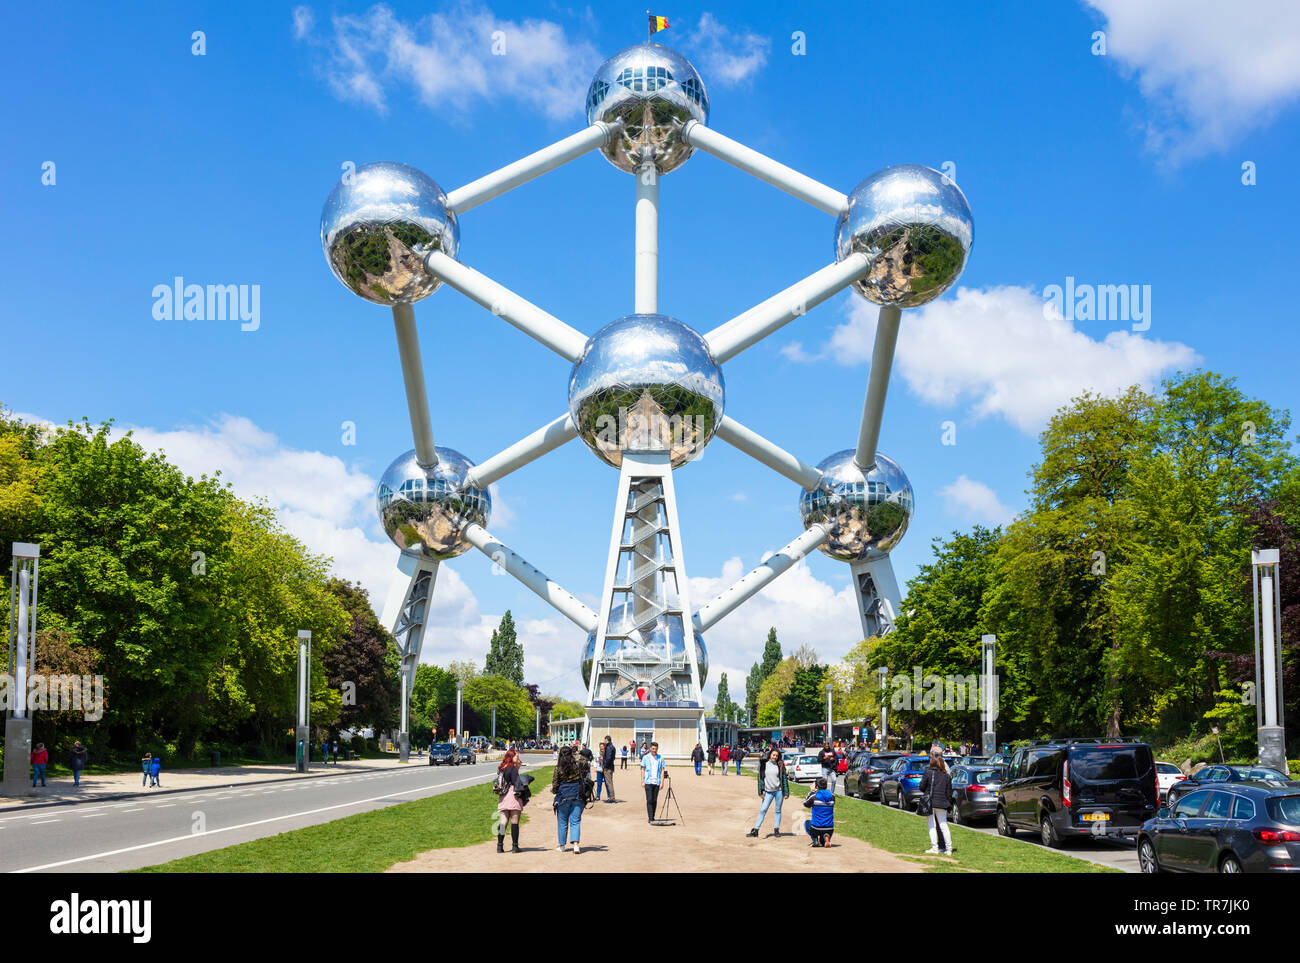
pixel 512 792
pixel 713 757
pixel 936 795
pixel 570 773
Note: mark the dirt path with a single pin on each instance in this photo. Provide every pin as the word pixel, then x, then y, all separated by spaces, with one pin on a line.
pixel 717 811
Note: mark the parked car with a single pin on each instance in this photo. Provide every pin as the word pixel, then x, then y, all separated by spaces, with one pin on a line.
pixel 974 761
pixel 1235 827
pixel 468 755
pixel 790 757
pixel 443 754
pixel 1217 775
pixel 865 772
pixel 1077 788
pixel 901 785
pixel 805 768
pixel 1166 775
pixel 974 793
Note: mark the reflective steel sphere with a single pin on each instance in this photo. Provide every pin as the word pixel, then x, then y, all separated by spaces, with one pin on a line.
pixel 867 514
pixel 377 230
pixel 665 638
pixel 646 382
pixel 428 511
pixel 650 92
pixel 915 225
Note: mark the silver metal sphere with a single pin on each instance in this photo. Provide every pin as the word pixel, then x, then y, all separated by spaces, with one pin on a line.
pixel 915 225
pixel 428 511
pixel 867 513
pixel 646 382
pixel 650 92
pixel 377 226
pixel 665 635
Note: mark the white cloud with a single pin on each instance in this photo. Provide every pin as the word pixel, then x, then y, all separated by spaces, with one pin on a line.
pixel 725 57
pixel 1210 71
pixel 449 60
pixel 994 349
pixel 974 501
pixel 304 21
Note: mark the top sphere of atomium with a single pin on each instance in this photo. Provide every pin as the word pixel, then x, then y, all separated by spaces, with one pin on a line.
pixel 915 225
pixel 867 512
pixel 427 511
pixel 646 382
pixel 647 93
pixel 378 225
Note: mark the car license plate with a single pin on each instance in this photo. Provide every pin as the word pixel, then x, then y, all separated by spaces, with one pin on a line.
pixel 1095 817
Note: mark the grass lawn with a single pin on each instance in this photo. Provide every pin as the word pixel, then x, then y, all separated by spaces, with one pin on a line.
pixel 368 842
pixel 906 835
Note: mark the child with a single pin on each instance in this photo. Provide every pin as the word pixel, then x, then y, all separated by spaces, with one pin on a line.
pixel 822 803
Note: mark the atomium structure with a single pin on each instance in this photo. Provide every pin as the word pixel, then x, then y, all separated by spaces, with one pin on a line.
pixel 646 392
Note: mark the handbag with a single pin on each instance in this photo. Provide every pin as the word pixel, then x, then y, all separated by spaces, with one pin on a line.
pixel 923 804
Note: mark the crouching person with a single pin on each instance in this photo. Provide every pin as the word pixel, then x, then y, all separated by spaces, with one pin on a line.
pixel 822 803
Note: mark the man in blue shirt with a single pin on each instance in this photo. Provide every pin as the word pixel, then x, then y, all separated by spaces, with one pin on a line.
pixel 822 803
pixel 652 774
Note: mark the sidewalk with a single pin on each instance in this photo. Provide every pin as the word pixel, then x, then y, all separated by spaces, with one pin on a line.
pixel 97 788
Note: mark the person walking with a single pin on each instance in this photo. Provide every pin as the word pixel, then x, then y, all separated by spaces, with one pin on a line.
pixel 739 756
pixel 146 764
pixel 566 784
pixel 624 766
pixel 713 757
pixel 77 761
pixel 936 785
pixel 822 803
pixel 325 751
pixel 512 795
pixel 155 771
pixel 697 757
pixel 652 776
pixel 607 758
pixel 773 787
pixel 724 756
pixel 826 759
pixel 40 759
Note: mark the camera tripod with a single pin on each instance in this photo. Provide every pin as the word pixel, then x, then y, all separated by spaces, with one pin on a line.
pixel 662 818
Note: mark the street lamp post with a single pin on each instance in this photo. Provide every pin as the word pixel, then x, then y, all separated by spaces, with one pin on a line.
pixel 1269 715
pixel 460 726
pixel 830 732
pixel 494 725
pixel 988 653
pixel 884 710
pixel 23 593
pixel 304 705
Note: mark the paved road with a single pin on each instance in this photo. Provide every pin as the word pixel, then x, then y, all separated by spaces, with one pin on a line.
pixel 127 834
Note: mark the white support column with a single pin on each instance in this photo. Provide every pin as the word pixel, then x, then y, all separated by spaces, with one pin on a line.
pixel 547 438
pixel 525 169
pixel 561 338
pixel 712 612
pixel 878 596
pixel 534 579
pixel 734 336
pixel 771 455
pixel 417 399
pixel 647 239
pixel 765 168
pixel 873 408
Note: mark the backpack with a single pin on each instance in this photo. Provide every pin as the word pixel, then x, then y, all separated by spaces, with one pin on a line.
pixel 587 791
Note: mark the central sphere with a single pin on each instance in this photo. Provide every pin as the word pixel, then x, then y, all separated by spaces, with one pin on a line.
pixel 915 225
pixel 665 642
pixel 427 511
pixel 867 512
pixel 378 225
pixel 646 382
pixel 650 92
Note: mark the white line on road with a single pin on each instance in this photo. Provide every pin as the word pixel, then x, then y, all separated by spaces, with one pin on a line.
pixel 226 829
pixel 44 821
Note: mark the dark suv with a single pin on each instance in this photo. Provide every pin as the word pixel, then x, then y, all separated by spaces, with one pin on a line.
pixel 1078 787
pixel 865 772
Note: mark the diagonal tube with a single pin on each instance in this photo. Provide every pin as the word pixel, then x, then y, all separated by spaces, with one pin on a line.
pixel 536 580
pixel 764 168
pixel 564 340
pixel 525 169
pixel 773 456
pixel 732 337
pixel 546 438
pixel 749 585
pixel 417 399
pixel 873 408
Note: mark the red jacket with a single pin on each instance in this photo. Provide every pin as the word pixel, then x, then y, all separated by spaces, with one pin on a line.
pixel 724 753
pixel 40 757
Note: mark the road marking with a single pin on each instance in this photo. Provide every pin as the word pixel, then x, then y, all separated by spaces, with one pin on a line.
pixel 44 821
pixel 165 806
pixel 227 829
pixel 139 809
pixel 91 815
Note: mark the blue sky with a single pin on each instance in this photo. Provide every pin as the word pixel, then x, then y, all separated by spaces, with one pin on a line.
pixel 1122 168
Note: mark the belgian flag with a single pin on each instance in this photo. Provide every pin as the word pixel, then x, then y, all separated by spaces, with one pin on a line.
pixel 656 23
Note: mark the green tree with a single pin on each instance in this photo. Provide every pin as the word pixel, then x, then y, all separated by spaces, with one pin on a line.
pixel 806 700
pixel 514 709
pixel 723 706
pixel 359 669
pixel 506 654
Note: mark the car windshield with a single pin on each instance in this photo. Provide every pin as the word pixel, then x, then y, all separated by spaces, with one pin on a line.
pixel 1260 772
pixel 986 776
pixel 1284 809
pixel 1109 762
pixel 1168 768
pixel 442 747
pixel 807 760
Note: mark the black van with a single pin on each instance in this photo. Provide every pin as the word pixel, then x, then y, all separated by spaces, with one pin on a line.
pixel 1078 787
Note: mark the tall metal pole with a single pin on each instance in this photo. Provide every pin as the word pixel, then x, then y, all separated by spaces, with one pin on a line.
pixel 830 720
pixel 304 669
pixel 873 408
pixel 988 650
pixel 417 400
pixel 494 725
pixel 537 723
pixel 647 239
pixel 1269 714
pixel 884 709
pixel 21 641
pixel 460 725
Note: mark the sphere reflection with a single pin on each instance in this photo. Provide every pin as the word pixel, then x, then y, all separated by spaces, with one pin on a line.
pixel 915 225
pixel 428 511
pixel 378 225
pixel 867 513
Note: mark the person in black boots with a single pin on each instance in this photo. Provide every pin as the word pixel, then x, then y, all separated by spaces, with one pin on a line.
pixel 512 794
